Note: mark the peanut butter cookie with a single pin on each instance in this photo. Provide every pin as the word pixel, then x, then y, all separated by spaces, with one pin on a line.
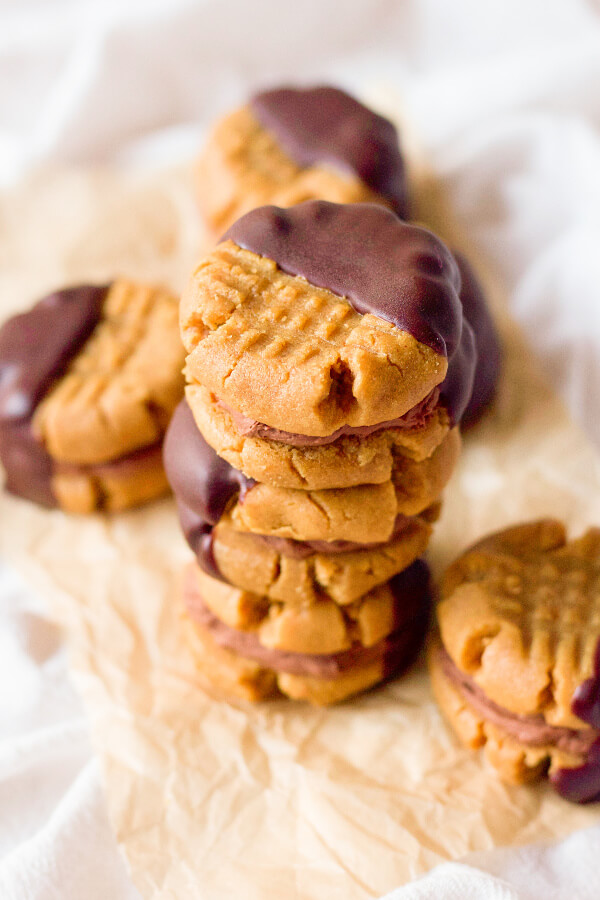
pixel 366 514
pixel 291 145
pixel 89 378
pixel 236 662
pixel 348 461
pixel 516 669
pixel 300 321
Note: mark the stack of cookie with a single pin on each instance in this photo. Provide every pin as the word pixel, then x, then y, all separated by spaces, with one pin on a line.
pixel 327 374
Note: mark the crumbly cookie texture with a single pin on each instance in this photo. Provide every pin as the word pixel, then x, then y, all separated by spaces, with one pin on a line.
pixel 119 392
pixel 243 166
pixel 347 462
pixel 520 614
pixel 236 676
pixel 363 514
pixel 320 627
pixel 111 487
pixel 516 762
pixel 244 560
pixel 294 356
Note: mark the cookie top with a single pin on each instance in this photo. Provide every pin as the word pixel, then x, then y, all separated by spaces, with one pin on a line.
pixel 487 342
pixel 326 125
pixel 520 615
pixel 327 315
pixel 288 146
pixel 87 376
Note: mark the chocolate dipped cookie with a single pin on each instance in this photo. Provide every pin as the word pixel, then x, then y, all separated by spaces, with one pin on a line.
pixel 283 543
pixel 290 145
pixel 89 378
pixel 516 666
pixel 305 324
pixel 255 662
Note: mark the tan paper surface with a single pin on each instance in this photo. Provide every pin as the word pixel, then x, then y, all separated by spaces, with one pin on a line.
pixel 210 799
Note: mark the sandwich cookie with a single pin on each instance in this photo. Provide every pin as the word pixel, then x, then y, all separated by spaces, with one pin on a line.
pixel 289 145
pixel 516 666
pixel 89 378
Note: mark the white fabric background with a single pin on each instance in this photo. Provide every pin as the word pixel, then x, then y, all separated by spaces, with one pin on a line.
pixel 505 98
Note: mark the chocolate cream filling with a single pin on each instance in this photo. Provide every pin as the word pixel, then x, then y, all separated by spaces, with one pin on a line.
pixel 204 485
pixel 380 265
pixel 326 125
pixel 396 651
pixel 415 418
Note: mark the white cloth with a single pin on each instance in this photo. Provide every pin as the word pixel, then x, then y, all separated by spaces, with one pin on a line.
pixel 504 97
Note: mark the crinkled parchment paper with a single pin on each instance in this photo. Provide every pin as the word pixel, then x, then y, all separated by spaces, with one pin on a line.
pixel 210 799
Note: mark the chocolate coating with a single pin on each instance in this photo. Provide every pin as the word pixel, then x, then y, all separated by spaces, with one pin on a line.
pixel 326 125
pixel 365 253
pixel 35 349
pixel 381 265
pixel 582 784
pixel 200 479
pixel 489 351
pixel 202 482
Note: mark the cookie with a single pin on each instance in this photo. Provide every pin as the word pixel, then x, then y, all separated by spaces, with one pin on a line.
pixel 487 342
pixel 300 321
pixel 237 663
pixel 516 669
pixel 348 461
pixel 289 571
pixel 322 627
pixel 204 484
pixel 289 145
pixel 89 378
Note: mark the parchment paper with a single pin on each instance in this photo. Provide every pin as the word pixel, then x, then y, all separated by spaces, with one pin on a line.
pixel 211 799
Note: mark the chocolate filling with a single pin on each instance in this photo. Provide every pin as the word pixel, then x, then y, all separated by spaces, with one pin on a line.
pixel 204 485
pixel 580 784
pixel 415 418
pixel 395 651
pixel 489 352
pixel 303 549
pixel 381 265
pixel 326 125
pixel 35 349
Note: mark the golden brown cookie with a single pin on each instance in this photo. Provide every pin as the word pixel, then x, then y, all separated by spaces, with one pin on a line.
pixel 85 402
pixel 346 462
pixel 517 667
pixel 319 627
pixel 249 561
pixel 288 146
pixel 236 662
pixel 212 497
pixel 301 323
pixel 363 514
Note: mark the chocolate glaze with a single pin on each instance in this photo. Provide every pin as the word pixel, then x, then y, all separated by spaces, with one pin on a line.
pixel 324 124
pixel 35 349
pixel 415 418
pixel 381 265
pixel 202 482
pixel 489 351
pixel 582 784
pixel 395 651
pixel 365 253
